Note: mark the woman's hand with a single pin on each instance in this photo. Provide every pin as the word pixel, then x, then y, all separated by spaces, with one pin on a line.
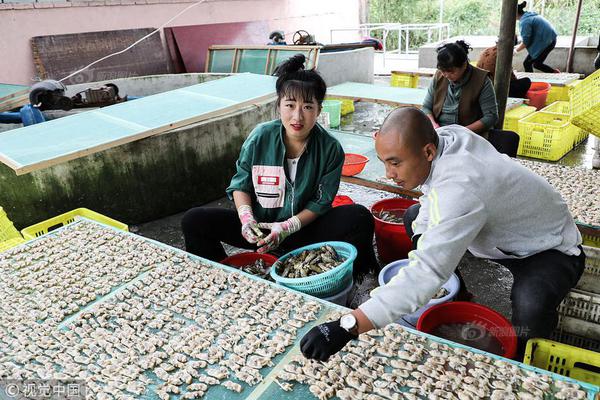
pixel 279 231
pixel 250 229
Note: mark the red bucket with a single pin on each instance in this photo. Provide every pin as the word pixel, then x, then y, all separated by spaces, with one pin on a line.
pixel 459 312
pixel 239 260
pixel 341 200
pixel 537 94
pixel 392 241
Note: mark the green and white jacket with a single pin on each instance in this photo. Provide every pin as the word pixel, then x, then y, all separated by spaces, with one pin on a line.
pixel 262 173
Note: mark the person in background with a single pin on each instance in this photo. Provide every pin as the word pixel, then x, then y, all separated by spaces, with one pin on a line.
pixel 288 174
pixel 539 37
pixel 487 61
pixel 460 93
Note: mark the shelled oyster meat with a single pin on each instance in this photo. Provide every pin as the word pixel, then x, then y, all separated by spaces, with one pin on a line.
pixel 309 262
pixel 133 319
pixel 393 216
pixel 441 293
pixel 258 268
pixel 394 364
pixel 577 186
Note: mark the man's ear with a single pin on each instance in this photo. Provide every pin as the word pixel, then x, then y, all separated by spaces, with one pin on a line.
pixel 430 151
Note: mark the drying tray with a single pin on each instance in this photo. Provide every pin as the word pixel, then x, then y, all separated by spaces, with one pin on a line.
pixel 267 389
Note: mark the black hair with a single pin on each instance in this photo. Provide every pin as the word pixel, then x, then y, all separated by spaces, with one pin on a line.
pixel 452 55
pixel 294 81
pixel 521 8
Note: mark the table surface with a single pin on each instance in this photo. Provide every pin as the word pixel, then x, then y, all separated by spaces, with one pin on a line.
pixel 561 79
pixel 101 236
pixel 41 145
pixel 379 94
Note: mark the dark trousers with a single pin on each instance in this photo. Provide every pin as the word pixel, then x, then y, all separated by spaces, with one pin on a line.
pixel 519 87
pixel 204 228
pixel 506 142
pixel 540 283
pixel 538 62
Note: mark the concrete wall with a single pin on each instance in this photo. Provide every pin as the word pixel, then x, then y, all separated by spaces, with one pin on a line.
pixel 347 66
pixel 585 52
pixel 140 181
pixel 149 85
pixel 21 21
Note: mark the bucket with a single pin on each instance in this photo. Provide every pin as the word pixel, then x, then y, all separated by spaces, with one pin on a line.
pixel 464 312
pixel 241 259
pixel 341 200
pixel 452 286
pixel 353 164
pixel 537 94
pixel 392 241
pixel 334 109
pixel 341 299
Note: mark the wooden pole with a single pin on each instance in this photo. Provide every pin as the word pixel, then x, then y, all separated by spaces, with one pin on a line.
pixel 506 41
pixel 574 36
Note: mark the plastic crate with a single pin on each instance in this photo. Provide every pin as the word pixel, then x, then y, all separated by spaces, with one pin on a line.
pixel 546 136
pixel 512 117
pixel 572 339
pixel 404 80
pixel 583 305
pixel 591 235
pixel 347 105
pixel 49 225
pixel 590 280
pixel 579 313
pixel 572 85
pixel 10 243
pixel 557 93
pixel 585 104
pixel 563 359
pixel 558 107
pixel 564 108
pixel 589 240
pixel 9 235
pixel 327 283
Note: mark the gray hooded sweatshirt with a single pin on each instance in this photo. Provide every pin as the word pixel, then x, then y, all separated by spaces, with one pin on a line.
pixel 479 200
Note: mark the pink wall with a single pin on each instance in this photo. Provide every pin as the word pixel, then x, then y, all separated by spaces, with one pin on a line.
pixel 21 21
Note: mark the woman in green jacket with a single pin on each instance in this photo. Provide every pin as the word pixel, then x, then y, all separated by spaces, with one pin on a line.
pixel 288 174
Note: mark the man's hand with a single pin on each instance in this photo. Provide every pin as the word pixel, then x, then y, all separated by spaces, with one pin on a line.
pixel 279 231
pixel 323 341
pixel 250 229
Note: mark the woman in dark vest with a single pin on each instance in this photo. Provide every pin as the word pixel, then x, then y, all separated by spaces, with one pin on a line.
pixel 460 93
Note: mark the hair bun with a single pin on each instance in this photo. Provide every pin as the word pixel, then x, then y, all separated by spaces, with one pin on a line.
pixel 521 6
pixel 464 45
pixel 293 64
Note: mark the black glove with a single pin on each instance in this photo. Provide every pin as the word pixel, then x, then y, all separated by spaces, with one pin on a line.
pixel 322 341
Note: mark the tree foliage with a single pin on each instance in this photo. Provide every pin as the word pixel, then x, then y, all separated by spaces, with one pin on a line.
pixel 482 17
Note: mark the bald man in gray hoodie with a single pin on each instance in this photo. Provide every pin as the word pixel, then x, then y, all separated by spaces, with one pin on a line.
pixel 475 199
